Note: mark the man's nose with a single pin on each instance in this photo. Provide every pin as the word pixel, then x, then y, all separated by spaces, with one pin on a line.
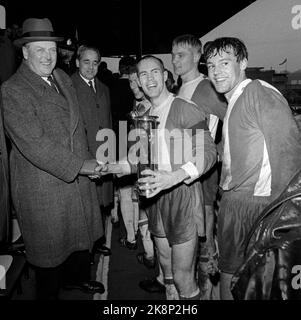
pixel 216 70
pixel 47 54
pixel 150 76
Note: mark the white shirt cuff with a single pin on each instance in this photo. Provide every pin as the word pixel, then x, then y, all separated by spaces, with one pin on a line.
pixel 192 170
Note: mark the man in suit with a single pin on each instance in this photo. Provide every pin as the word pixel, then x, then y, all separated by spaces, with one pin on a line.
pixel 94 101
pixel 55 201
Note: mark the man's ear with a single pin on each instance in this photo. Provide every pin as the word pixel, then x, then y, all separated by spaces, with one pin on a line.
pixel 25 52
pixel 243 64
pixel 77 63
pixel 196 57
pixel 165 75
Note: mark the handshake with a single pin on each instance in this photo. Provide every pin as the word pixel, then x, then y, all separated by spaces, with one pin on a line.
pixel 94 169
pixel 151 182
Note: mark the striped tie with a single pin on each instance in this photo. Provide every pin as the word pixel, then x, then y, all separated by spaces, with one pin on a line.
pixel 53 84
pixel 91 86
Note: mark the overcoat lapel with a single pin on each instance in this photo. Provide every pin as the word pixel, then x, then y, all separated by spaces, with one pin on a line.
pixel 41 87
pixel 99 89
pixel 73 107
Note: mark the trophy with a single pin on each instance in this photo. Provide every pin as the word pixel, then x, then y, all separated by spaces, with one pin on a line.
pixel 146 126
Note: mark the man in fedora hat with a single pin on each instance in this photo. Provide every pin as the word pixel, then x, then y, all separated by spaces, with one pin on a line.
pixel 55 201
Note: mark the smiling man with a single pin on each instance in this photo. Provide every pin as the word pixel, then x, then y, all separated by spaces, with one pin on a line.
pixel 171 215
pixel 54 199
pixel 95 108
pixel 175 192
pixel 261 150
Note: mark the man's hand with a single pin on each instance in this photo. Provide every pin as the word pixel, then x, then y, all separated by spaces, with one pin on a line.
pixel 120 168
pixel 91 168
pixel 156 181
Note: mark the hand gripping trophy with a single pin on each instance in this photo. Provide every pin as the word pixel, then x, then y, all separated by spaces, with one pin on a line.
pixel 146 126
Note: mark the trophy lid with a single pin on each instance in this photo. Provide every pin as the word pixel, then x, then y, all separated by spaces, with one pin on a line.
pixel 146 118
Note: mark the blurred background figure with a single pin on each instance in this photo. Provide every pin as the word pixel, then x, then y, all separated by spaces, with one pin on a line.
pixel 104 74
pixel 141 102
pixel 122 99
pixel 9 57
pixel 66 56
pixel 170 83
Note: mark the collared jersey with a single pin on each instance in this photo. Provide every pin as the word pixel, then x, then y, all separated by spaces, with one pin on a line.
pixel 201 92
pixel 262 148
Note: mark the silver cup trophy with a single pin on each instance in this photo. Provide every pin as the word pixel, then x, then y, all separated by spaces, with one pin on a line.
pixel 146 126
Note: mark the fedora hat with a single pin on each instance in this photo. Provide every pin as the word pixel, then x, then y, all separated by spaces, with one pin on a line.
pixel 34 29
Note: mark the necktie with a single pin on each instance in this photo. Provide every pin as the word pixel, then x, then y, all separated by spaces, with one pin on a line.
pixel 91 86
pixel 53 84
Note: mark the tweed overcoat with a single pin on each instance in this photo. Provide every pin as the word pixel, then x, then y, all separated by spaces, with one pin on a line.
pixel 96 113
pixel 4 184
pixel 57 210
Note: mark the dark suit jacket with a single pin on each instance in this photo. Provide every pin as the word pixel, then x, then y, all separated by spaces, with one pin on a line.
pixel 96 114
pixel 122 101
pixel 57 210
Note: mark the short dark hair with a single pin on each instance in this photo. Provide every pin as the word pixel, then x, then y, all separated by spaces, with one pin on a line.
pixel 149 56
pixel 133 69
pixel 125 64
pixel 188 39
pixel 81 49
pixel 103 65
pixel 223 45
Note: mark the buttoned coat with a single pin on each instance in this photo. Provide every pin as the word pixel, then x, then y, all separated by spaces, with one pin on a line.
pixel 96 113
pixel 57 210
